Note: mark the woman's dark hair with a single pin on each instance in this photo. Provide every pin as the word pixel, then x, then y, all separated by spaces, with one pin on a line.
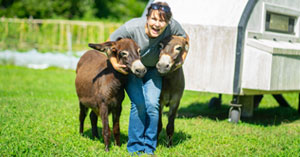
pixel 163 9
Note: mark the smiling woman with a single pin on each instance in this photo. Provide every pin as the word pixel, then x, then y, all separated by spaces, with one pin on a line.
pixel 144 92
pixel 158 18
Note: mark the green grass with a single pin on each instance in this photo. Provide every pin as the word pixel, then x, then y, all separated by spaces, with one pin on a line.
pixel 39 117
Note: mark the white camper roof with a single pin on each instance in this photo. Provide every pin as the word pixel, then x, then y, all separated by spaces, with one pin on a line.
pixel 231 49
pixel 207 12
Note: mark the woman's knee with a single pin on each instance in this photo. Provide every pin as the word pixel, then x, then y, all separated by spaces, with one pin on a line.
pixel 153 109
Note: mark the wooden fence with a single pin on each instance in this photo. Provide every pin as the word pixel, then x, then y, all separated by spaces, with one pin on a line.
pixel 52 35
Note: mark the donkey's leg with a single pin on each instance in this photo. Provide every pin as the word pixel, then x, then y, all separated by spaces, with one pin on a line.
pixel 159 128
pixel 94 120
pixel 116 124
pixel 171 119
pixel 105 126
pixel 82 115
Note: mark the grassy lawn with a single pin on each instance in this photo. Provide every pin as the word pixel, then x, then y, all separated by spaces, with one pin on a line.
pixel 39 117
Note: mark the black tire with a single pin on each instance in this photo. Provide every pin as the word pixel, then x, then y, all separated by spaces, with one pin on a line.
pixel 214 103
pixel 235 116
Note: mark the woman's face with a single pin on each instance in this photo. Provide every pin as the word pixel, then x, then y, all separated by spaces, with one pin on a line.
pixel 155 24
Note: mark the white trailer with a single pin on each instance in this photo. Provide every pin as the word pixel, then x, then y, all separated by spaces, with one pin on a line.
pixel 241 47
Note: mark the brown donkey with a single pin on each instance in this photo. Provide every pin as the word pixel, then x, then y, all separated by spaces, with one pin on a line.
pixel 101 88
pixel 172 49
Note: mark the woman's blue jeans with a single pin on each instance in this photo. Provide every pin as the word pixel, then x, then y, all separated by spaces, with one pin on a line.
pixel 144 95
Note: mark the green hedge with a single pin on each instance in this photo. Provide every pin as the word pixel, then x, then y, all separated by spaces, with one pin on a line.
pixel 72 9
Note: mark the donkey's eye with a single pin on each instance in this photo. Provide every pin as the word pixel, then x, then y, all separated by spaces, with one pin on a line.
pixel 124 53
pixel 139 50
pixel 179 48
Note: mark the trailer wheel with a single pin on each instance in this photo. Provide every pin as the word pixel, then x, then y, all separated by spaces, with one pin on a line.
pixel 214 103
pixel 234 113
pixel 235 116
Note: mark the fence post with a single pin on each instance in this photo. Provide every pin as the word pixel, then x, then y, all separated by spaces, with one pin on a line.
pixel 101 33
pixel 22 30
pixel 36 32
pixel 78 34
pixel 84 37
pixel 54 37
pixel 61 36
pixel 69 38
pixel 5 33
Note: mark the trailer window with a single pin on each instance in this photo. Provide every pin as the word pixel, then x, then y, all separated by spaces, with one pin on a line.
pixel 280 23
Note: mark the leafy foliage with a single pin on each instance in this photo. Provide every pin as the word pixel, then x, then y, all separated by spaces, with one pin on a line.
pixel 72 9
pixel 130 8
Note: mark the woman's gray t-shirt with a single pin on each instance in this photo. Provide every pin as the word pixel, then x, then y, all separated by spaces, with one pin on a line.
pixel 135 29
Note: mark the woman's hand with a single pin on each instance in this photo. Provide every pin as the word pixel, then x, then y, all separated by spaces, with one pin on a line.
pixel 118 67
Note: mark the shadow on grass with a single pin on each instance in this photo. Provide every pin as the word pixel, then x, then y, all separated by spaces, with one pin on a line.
pixel 88 134
pixel 178 138
pixel 261 116
pixel 197 109
pixel 273 116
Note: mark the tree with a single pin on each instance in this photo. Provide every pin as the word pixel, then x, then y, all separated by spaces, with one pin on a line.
pixel 70 9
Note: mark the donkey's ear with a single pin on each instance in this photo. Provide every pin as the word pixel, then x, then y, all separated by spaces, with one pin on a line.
pixel 107 47
pixel 186 45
